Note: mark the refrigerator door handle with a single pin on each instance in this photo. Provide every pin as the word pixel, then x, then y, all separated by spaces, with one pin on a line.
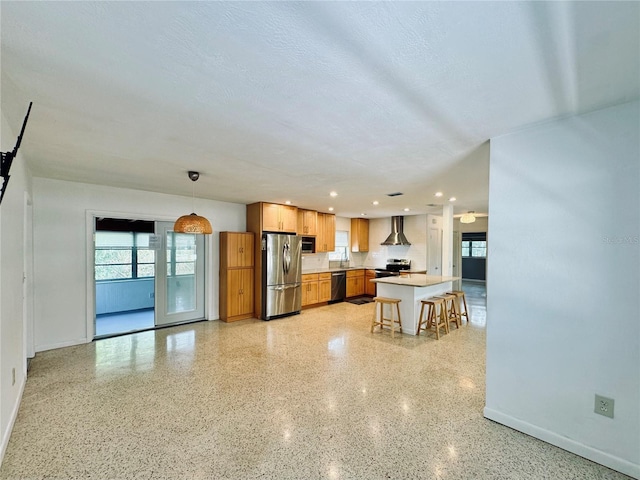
pixel 286 258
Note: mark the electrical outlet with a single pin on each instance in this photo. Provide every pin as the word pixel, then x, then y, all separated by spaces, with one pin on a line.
pixel 152 295
pixel 604 406
pixel 13 376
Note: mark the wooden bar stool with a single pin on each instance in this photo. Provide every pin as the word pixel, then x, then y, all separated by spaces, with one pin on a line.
pixel 382 320
pixel 436 316
pixel 462 301
pixel 451 308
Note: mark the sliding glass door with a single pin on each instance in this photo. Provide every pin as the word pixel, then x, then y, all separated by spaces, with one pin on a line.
pixel 179 276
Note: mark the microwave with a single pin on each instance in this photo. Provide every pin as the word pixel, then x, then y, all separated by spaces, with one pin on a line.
pixel 308 244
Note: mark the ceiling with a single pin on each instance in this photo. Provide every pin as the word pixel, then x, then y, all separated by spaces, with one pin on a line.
pixel 289 101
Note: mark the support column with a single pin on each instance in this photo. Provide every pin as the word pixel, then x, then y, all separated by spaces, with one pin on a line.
pixel 447 240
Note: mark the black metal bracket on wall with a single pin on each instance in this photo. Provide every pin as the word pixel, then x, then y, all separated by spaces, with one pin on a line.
pixel 7 157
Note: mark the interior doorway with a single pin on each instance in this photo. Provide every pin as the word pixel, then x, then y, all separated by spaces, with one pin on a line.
pixel 474 256
pixel 145 276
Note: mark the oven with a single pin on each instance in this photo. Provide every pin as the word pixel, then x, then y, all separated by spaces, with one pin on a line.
pixel 393 268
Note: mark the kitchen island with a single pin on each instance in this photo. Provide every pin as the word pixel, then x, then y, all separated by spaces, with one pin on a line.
pixel 411 289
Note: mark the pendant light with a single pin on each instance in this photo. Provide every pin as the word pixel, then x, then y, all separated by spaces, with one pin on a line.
pixel 468 217
pixel 193 223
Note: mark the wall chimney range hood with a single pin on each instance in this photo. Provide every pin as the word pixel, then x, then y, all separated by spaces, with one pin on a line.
pixel 397 235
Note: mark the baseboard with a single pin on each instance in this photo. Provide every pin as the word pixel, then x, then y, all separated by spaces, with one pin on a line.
pixel 70 343
pixel 572 446
pixel 6 435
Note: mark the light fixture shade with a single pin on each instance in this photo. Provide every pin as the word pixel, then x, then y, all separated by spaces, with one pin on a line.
pixel 192 224
pixel 468 218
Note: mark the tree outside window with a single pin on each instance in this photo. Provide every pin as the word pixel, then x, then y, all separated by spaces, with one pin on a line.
pixel 474 247
pixel 123 255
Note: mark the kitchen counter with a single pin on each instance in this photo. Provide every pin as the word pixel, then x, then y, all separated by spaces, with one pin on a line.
pixel 330 270
pixel 411 289
pixel 415 280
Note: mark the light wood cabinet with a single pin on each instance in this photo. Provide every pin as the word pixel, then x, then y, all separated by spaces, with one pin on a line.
pixel 267 217
pixel 369 286
pixel 324 287
pixel 238 248
pixel 239 295
pixel 316 288
pixel 279 218
pixel 236 275
pixel 307 222
pixel 359 235
pixel 309 289
pixel 326 236
pixel 355 283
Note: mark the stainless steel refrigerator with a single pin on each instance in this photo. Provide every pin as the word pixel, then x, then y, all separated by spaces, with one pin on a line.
pixel 281 275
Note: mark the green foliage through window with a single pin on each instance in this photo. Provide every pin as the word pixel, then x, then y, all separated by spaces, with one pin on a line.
pixel 123 255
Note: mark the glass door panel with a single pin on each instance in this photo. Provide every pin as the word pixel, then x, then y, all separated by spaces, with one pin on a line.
pixel 179 276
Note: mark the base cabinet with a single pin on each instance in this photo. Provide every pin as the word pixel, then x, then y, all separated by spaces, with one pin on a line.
pixel 236 294
pixel 324 287
pixel 369 286
pixel 309 289
pixel 316 288
pixel 355 283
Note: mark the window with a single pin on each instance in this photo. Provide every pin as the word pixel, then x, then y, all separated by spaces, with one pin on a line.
pixel 474 245
pixel 181 254
pixel 478 248
pixel 123 255
pixel 466 245
pixel 342 246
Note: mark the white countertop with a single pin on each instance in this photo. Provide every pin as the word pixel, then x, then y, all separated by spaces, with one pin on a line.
pixel 329 270
pixel 415 280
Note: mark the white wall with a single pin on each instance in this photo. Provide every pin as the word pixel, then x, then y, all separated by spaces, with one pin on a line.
pixel 61 246
pixel 415 229
pixel 13 354
pixel 480 225
pixel 563 284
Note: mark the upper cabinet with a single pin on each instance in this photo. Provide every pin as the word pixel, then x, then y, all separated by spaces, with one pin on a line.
pixel 274 217
pixel 326 236
pixel 307 222
pixel 359 234
pixel 236 249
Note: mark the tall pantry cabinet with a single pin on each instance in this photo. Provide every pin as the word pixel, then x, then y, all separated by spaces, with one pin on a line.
pixel 236 275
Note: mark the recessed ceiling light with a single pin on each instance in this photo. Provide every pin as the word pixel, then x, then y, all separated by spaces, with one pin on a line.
pixel 331 209
pixel 362 214
pixel 376 202
pixel 334 194
pixel 288 202
pixel 406 209
pixel 438 194
pixel 452 199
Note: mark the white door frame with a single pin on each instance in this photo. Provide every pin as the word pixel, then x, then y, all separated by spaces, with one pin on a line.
pixel 162 318
pixel 90 216
pixel 27 280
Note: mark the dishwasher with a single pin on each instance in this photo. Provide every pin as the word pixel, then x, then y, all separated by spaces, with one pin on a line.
pixel 338 286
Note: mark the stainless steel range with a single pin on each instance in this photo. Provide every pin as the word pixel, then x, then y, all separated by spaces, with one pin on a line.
pixel 393 268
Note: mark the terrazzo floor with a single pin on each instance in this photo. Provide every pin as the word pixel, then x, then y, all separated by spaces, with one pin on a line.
pixel 314 396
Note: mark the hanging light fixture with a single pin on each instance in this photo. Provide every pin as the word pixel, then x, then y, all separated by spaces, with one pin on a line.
pixel 193 223
pixel 468 217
